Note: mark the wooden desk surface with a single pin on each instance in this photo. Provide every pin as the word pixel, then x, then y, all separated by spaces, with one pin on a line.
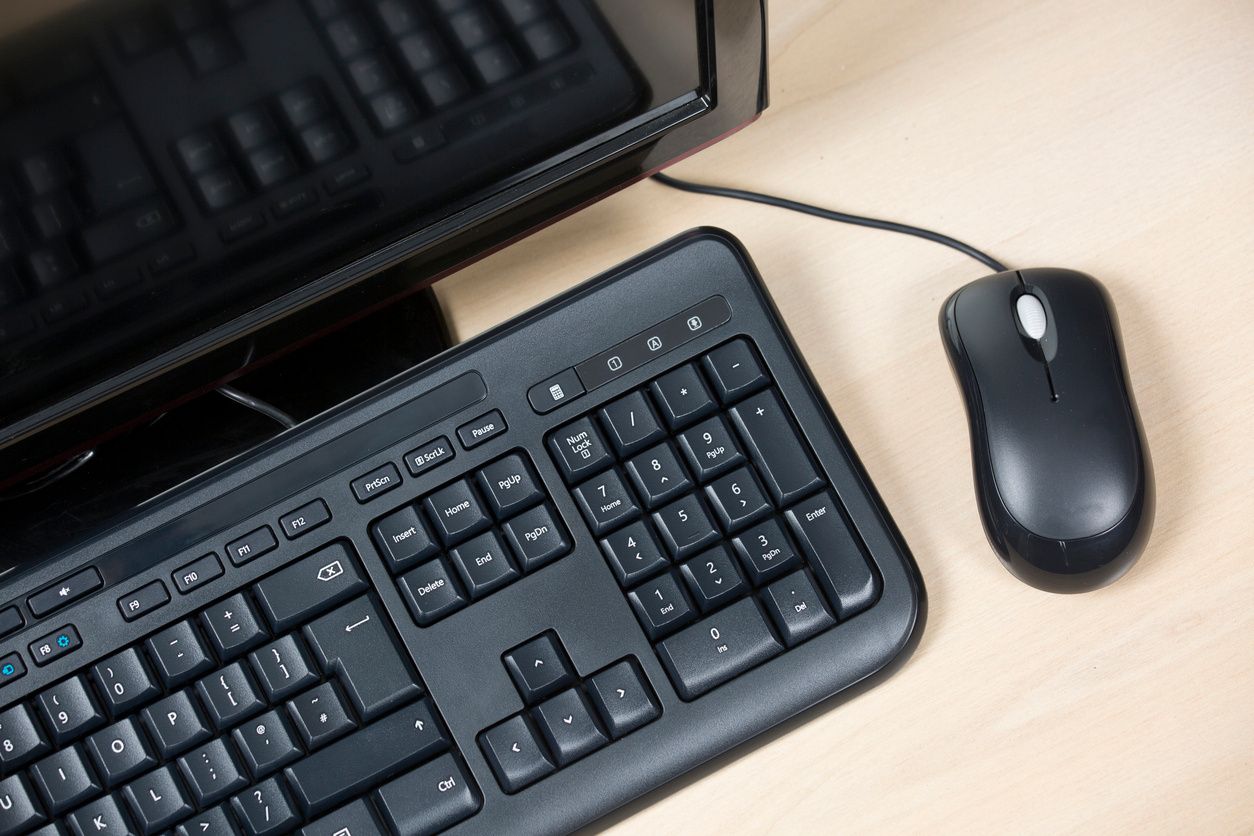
pixel 1113 137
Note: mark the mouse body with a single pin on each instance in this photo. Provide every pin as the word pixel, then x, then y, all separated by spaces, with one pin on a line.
pixel 1062 472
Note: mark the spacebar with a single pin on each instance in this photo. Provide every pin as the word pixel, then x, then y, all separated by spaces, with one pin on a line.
pixel 354 764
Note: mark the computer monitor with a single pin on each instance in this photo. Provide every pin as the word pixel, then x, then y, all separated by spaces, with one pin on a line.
pixel 188 187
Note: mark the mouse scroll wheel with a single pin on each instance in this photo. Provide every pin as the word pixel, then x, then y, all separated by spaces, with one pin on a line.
pixel 1031 315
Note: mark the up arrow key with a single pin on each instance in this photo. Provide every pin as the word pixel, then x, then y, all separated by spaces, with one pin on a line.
pixel 539 663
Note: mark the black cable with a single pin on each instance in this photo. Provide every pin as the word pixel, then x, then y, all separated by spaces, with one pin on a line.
pixel 258 405
pixel 832 215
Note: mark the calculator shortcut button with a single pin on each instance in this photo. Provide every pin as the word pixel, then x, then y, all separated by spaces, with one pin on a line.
pixel 579 449
pixel 712 578
pixel 536 537
pixel 735 371
pixel 685 526
pixel 554 392
pixel 483 428
pixel 717 648
pixel 457 512
pixel 510 485
pixel 515 754
pixel 737 500
pixel 710 449
pixel 658 475
pixel 631 423
pixel 633 554
pixel 765 552
pixel 605 501
pixel 683 396
pixel 834 554
pixel 403 539
pixel 539 668
pixel 305 518
pixel 622 699
pixel 568 727
pixel 377 481
pixel 775 447
pixel 431 592
pixel 797 608
pixel 483 564
pixel 661 606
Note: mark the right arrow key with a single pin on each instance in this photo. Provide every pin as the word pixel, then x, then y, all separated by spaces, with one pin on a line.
pixel 622 698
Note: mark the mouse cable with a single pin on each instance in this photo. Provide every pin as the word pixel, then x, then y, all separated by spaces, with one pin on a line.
pixel 832 215
pixel 258 405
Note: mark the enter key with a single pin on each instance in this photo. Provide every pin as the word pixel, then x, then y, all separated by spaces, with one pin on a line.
pixel 355 644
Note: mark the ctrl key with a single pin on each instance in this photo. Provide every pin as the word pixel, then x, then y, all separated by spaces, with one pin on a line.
pixel 430 799
pixel 516 755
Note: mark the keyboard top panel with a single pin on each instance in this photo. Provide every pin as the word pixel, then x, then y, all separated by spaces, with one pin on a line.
pixel 488 500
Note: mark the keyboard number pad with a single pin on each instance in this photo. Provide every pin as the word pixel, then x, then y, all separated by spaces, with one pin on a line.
pixel 725 537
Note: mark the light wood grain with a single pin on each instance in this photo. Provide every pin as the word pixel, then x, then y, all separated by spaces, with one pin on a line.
pixel 1114 137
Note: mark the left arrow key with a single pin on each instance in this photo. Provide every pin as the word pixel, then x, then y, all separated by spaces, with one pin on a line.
pixel 57 595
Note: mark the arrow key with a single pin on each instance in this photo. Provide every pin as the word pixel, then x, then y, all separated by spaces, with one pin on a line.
pixel 539 667
pixel 622 698
pixel 568 727
pixel 516 755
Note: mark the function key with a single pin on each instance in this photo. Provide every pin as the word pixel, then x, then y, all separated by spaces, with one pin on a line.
pixel 144 600
pixel 536 537
pixel 661 606
pixel 633 554
pixel 605 501
pixel 431 592
pixel 797 608
pixel 539 667
pixel 11 667
pixel 548 395
pixel 377 481
pixel 10 621
pixel 197 573
pixel 510 485
pixel 658 475
pixel 305 518
pixel 683 396
pixel 251 546
pixel 717 648
pixel 622 699
pixel 735 370
pixel 457 511
pixel 579 449
pixel 473 433
pixel 429 455
pixel 765 552
pixel 709 448
pixel 403 538
pixel 483 564
pixel 712 578
pixel 65 591
pixel 834 554
pixel 568 726
pixel 515 754
pixel 55 645
pixel 631 423
pixel 775 448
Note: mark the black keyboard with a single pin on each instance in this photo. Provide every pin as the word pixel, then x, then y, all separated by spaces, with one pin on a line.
pixel 537 577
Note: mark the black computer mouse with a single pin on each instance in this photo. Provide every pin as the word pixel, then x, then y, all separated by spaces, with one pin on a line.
pixel 1062 471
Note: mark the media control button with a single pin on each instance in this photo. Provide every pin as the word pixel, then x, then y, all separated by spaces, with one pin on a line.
pixel 305 518
pixel 143 600
pixel 377 481
pixel 197 573
pixel 65 591
pixel 557 390
pixel 429 455
pixel 481 429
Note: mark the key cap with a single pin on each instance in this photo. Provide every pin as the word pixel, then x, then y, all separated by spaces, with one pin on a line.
pixel 64 780
pixel 70 710
pixel 775 447
pixel 606 502
pixel 631 423
pixel 546 40
pixel 213 822
pixel 265 809
pixel 622 700
pixel 113 171
pixel 710 449
pixel 685 527
pixel 431 592
pixel 266 743
pixel 55 645
pixel 232 626
pixel 304 519
pixel 354 819
pixel 568 727
pixel 443 86
pixel 842 570
pixel 179 655
pixel 579 449
pixel 735 371
pixel 429 455
pixel 252 545
pixel 282 668
pixel 302 104
pixel 18 812
pixel 510 486
pixel 483 564
pixel 682 396
pixel 175 724
pixel 319 716
pixel 125 682
pixel 349 766
pixel 658 476
pixel 661 606
pixel 156 800
pixel 251 128
pixel 457 512
pixel 765 552
pixel 712 578
pixel 403 539
pixel 211 772
pixel 199 152
pixel 130 229
pixel 311 585
pixel 430 799
pixel 102 816
pixel 539 668
pixel 633 553
pixel 717 648
pixel 229 695
pixel 796 608
pixel 737 500
pixel 515 754
pixel 65 591
pixel 536 537
pixel 119 752
pixel 421 51
pixel 21 741
pixel 354 643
